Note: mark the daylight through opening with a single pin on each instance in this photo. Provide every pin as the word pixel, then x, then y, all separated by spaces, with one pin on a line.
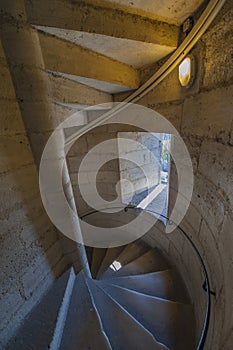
pixel 144 170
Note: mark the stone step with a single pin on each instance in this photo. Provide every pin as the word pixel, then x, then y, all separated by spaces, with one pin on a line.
pixel 168 321
pixel 39 330
pixel 110 256
pixel 122 329
pixel 132 252
pixel 151 261
pixel 83 328
pixel 97 258
pixel 163 284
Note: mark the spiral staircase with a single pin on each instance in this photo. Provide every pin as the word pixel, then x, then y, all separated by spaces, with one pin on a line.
pixel 135 300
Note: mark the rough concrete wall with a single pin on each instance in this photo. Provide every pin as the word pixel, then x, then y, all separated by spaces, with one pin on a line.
pixel 31 256
pixel 203 115
pixel 144 174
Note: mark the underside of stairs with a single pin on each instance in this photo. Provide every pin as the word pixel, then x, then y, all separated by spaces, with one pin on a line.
pixel 134 301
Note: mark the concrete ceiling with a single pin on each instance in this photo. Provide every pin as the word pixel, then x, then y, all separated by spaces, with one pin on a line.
pixel 139 53
pixel 74 60
pixel 171 11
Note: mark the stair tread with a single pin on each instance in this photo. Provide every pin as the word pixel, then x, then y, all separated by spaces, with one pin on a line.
pixel 89 251
pixel 110 256
pixel 159 284
pixel 123 330
pixel 83 328
pixel 131 252
pixel 167 320
pixel 97 258
pixel 38 328
pixel 151 261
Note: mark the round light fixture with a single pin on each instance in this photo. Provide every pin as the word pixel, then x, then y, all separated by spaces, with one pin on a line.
pixel 187 71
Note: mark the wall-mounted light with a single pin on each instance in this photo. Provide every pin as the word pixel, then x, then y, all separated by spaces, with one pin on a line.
pixel 187 71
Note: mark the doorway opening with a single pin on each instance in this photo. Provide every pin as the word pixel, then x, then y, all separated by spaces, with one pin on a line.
pixel 144 167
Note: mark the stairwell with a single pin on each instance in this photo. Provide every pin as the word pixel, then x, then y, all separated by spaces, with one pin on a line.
pixel 155 300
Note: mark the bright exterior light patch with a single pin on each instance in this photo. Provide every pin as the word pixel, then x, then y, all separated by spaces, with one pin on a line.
pixel 185 72
pixel 116 265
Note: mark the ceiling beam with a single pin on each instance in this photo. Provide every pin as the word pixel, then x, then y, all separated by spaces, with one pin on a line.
pixel 65 57
pixel 85 17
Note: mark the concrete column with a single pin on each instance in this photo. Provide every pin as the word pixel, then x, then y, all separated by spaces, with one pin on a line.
pixel 80 259
pixel 22 49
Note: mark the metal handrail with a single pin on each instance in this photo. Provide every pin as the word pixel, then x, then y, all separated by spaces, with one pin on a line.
pixel 206 282
pixel 206 285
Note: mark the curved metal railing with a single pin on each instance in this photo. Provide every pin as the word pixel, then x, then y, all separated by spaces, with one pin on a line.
pixel 206 284
pixel 206 281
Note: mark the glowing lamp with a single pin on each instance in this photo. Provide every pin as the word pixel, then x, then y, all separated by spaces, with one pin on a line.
pixel 186 72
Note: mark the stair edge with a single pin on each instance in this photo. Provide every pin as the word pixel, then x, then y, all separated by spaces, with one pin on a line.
pixel 133 318
pixel 98 315
pixel 61 318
